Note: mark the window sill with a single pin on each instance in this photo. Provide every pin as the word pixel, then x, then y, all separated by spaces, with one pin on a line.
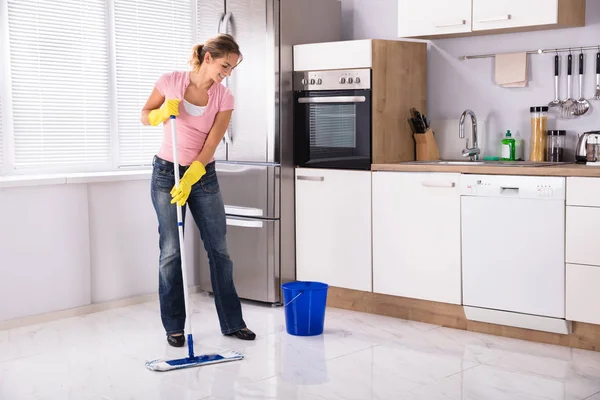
pixel 79 178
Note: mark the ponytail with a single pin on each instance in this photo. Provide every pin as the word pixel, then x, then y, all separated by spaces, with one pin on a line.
pixel 218 46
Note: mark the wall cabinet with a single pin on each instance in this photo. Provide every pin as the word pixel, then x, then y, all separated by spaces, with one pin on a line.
pixel 333 227
pixel 433 17
pixel 439 18
pixel 416 235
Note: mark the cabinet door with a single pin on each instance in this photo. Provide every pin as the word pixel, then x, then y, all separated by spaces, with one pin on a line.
pixel 333 227
pixel 581 244
pixel 416 235
pixel 501 14
pixel 433 17
pixel 582 294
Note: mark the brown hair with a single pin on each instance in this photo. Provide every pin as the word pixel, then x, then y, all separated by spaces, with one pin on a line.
pixel 218 46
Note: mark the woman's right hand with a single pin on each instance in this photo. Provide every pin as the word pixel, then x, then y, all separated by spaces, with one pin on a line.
pixel 170 107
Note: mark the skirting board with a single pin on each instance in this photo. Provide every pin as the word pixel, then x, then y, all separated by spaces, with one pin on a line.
pixel 517 320
pixel 583 335
pixel 78 311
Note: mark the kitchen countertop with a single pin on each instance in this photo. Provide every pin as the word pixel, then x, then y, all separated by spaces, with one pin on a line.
pixel 565 169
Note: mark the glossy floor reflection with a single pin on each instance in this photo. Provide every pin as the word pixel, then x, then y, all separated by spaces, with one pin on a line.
pixel 360 356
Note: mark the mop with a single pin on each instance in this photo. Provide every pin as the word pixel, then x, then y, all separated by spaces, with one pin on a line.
pixel 191 360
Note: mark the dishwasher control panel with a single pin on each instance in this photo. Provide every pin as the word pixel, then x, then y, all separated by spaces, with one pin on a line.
pixel 523 187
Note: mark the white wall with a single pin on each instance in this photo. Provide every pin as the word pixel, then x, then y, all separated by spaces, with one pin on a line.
pixel 75 244
pixel 455 85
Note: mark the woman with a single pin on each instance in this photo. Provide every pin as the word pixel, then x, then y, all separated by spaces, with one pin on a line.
pixel 202 118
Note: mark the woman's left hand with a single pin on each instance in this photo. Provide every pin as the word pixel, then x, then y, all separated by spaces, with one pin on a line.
pixel 193 174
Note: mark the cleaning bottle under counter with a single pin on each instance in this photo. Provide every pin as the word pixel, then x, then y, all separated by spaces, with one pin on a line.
pixel 508 147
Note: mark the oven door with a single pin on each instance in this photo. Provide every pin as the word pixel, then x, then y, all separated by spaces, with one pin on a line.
pixel 332 129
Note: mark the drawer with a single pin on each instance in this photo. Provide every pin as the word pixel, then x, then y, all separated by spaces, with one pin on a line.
pixel 583 192
pixel 581 244
pixel 582 294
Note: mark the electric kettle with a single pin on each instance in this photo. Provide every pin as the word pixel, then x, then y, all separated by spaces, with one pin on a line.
pixel 580 150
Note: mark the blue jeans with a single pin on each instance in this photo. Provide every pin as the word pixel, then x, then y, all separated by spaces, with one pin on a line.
pixel 207 208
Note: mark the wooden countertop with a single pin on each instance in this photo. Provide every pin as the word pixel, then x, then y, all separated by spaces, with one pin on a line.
pixel 573 169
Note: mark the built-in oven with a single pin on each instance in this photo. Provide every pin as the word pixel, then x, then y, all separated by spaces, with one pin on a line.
pixel 332 119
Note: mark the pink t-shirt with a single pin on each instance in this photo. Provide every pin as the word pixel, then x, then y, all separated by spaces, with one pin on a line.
pixel 192 131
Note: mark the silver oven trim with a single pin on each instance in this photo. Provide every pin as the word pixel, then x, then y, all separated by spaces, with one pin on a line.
pixel 339 79
pixel 333 99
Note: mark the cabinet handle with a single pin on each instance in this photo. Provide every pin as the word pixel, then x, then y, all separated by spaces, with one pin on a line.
pixel 332 99
pixel 310 178
pixel 449 24
pixel 496 19
pixel 438 184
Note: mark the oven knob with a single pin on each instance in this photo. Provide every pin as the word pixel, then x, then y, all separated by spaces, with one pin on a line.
pixel 312 81
pixel 357 80
pixel 319 81
pixel 342 80
pixel 350 80
pixel 304 81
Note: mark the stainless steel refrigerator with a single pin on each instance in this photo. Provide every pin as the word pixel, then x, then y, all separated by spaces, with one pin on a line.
pixel 255 160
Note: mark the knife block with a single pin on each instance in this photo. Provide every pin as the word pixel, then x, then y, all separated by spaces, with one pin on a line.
pixel 427 149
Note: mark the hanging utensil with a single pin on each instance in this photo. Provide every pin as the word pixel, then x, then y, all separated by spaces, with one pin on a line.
pixel 582 106
pixel 556 102
pixel 568 104
pixel 597 96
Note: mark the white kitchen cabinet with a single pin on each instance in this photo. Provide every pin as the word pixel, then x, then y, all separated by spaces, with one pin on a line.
pixel 429 19
pixel 583 296
pixel 580 247
pixel 582 252
pixel 433 17
pixel 416 235
pixel 507 14
pixel 583 192
pixel 333 227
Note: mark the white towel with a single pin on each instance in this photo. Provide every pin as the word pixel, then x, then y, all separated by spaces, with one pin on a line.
pixel 511 70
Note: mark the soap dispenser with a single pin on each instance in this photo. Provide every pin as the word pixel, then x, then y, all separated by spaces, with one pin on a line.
pixel 508 147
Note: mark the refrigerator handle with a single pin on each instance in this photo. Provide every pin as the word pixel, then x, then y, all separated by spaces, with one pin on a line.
pixel 220 22
pixel 223 27
pixel 224 22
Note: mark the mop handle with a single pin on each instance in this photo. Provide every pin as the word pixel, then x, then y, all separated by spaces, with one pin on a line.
pixel 188 316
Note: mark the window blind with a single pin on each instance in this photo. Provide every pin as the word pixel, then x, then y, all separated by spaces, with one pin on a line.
pixel 60 88
pixel 151 38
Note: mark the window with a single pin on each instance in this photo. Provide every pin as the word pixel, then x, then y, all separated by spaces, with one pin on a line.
pixel 59 82
pixel 79 73
pixel 151 38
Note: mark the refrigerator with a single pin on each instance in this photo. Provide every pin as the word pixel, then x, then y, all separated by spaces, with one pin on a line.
pixel 254 162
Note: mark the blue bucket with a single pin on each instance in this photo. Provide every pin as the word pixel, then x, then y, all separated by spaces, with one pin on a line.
pixel 304 305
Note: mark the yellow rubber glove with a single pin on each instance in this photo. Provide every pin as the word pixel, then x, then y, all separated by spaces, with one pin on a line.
pixel 170 107
pixel 192 175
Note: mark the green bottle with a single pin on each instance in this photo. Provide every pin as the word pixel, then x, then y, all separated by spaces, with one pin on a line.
pixel 508 147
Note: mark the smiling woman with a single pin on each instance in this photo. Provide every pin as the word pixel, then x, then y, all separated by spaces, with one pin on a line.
pixel 201 125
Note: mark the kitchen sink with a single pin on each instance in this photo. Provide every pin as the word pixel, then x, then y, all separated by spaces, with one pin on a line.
pixel 485 162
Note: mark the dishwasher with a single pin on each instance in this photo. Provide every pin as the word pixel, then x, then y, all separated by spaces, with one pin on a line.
pixel 513 250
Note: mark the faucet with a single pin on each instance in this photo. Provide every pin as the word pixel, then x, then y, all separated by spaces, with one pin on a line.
pixel 471 152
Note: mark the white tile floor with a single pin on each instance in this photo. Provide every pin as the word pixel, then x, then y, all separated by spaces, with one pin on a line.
pixel 360 356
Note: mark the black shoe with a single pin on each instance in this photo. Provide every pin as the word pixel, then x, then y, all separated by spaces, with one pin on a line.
pixel 244 334
pixel 176 341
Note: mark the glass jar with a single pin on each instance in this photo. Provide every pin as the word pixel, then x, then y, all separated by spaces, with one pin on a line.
pixel 555 150
pixel 539 124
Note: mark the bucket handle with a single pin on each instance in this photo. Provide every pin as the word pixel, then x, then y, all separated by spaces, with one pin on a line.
pixel 292 300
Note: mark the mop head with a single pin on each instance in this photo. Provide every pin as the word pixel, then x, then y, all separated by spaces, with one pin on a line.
pixel 196 361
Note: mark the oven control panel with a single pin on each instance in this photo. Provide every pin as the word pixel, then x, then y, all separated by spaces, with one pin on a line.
pixel 333 79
